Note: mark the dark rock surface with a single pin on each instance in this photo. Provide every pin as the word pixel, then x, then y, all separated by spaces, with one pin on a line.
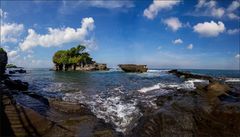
pixel 189 75
pixel 133 68
pixel 200 113
pixel 16 84
pixel 3 61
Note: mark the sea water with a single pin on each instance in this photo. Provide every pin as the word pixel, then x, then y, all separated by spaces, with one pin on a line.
pixel 111 95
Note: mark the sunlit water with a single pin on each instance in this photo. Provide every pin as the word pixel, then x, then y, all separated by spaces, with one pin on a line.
pixel 112 95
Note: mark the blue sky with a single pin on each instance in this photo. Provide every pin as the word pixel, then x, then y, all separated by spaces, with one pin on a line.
pixel 161 34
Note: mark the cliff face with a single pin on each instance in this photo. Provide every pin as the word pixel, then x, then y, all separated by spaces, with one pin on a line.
pixel 86 67
pixel 3 61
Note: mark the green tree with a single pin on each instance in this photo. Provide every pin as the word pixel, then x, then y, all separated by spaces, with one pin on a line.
pixel 72 57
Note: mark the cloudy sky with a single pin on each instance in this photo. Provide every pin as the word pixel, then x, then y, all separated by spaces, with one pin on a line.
pixel 161 34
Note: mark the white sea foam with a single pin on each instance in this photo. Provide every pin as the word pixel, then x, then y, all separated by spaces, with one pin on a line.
pixel 151 73
pixel 157 71
pixel 146 89
pixel 188 85
pixel 112 109
pixel 232 80
pixel 115 111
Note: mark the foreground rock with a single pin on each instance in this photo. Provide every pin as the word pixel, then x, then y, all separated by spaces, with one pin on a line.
pixel 85 123
pixel 69 107
pixel 16 84
pixel 133 68
pixel 200 113
pixel 3 61
pixel 20 121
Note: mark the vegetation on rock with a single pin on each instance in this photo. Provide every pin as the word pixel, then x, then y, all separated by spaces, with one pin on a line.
pixel 72 57
pixel 11 66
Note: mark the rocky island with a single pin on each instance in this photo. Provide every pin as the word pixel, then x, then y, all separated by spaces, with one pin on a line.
pixel 76 59
pixel 133 68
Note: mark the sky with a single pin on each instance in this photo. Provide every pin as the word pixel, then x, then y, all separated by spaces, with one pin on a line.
pixel 197 34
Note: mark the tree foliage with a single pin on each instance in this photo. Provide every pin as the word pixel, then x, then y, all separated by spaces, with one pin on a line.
pixel 73 56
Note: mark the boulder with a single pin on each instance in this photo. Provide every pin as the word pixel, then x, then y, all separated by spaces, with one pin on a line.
pixel 217 89
pixel 3 61
pixel 100 66
pixel 133 68
pixel 69 107
pixel 21 71
pixel 16 84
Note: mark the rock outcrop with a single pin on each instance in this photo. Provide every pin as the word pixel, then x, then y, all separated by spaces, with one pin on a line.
pixel 187 114
pixel 3 61
pixel 16 84
pixel 86 67
pixel 133 68
pixel 189 75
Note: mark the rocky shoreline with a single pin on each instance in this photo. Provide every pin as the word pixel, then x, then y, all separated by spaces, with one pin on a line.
pixel 212 109
pixel 19 120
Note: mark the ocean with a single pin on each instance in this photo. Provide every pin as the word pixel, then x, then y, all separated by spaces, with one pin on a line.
pixel 111 95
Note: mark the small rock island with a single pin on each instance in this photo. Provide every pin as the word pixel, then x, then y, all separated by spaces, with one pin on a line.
pixel 76 59
pixel 133 68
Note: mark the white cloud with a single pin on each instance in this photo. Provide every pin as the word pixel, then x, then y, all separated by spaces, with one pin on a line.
pixel 233 16
pixel 11 32
pixel 190 46
pixel 217 12
pixel 209 29
pixel 12 53
pixel 59 36
pixel 233 6
pixel 3 14
pixel 209 8
pixel 158 5
pixel 177 41
pixel 173 23
pixel 111 4
pixel 237 56
pixel 233 31
pixel 70 6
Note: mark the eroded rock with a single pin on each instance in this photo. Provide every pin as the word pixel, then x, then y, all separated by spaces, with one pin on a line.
pixel 3 61
pixel 187 114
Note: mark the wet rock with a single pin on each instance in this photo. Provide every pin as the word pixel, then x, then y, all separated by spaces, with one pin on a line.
pixel 188 75
pixel 104 133
pixel 191 114
pixel 16 84
pixel 69 107
pixel 3 61
pixel 21 71
pixel 216 89
pixel 11 72
pixel 17 71
pixel 20 121
pixel 133 68
pixel 38 97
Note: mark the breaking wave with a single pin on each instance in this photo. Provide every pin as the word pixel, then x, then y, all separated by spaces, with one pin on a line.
pixel 187 85
pixel 113 109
